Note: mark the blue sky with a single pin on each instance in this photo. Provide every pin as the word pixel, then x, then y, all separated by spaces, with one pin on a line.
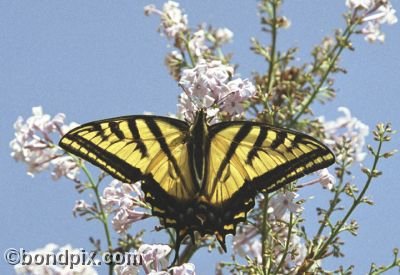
pixel 99 59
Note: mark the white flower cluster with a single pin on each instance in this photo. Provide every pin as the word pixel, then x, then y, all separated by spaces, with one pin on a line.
pixel 374 13
pixel 81 208
pixel 123 199
pixel 174 25
pixel 208 85
pixel 223 35
pixel 197 44
pixel 33 144
pixel 53 249
pixel 245 242
pixel 347 127
pixel 326 179
pixel 173 20
pixel 155 262
pixel 283 202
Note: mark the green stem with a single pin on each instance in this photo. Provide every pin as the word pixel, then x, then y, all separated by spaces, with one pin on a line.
pixel 221 55
pixel 271 70
pixel 384 269
pixel 339 47
pixel 338 227
pixel 265 233
pixel 285 252
pixel 332 206
pixel 103 215
pixel 191 57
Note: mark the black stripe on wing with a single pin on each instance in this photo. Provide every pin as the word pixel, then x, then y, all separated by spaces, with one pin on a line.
pixel 84 148
pixel 136 135
pixel 273 180
pixel 240 135
pixel 155 129
pixel 283 174
pixel 113 165
pixel 259 141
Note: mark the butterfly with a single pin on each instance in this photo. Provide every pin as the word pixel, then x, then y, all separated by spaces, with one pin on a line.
pixel 198 177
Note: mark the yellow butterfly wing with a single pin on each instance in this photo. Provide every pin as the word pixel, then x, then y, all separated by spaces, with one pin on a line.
pixel 255 156
pixel 133 148
pixel 248 157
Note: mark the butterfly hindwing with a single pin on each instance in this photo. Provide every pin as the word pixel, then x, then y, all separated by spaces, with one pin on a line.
pixel 134 148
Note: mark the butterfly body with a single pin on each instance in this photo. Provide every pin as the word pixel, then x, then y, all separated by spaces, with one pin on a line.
pixel 198 177
pixel 198 149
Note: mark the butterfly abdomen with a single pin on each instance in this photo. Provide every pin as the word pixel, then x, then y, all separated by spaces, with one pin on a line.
pixel 198 149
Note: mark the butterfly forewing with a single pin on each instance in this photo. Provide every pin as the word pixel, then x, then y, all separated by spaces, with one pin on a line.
pixel 133 148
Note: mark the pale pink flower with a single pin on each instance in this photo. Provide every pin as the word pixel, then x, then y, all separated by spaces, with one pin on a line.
pixel 34 146
pixel 385 13
pixel 244 88
pixel 155 261
pixel 238 91
pixel 326 179
pixel 176 55
pixel 197 44
pixel 126 269
pixel 374 13
pixel 81 207
pixel 208 85
pixel 233 104
pixel 154 257
pixel 118 193
pixel 123 200
pixel 282 202
pixel 372 32
pixel 184 269
pixel 360 4
pixel 347 127
pixel 223 35
pixel 173 20
pixel 64 166
pixel 246 242
pixel 124 218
